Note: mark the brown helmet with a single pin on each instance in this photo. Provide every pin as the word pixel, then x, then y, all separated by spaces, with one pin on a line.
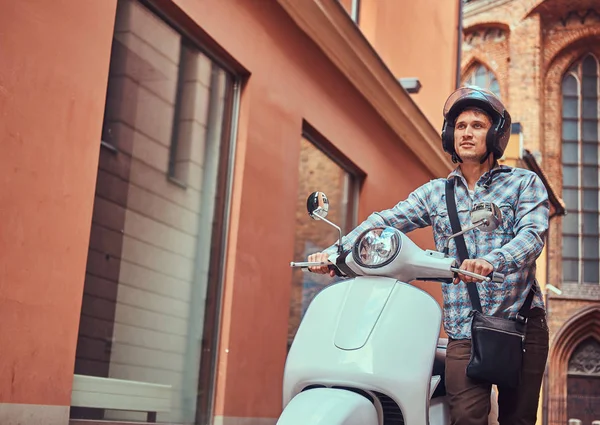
pixel 461 99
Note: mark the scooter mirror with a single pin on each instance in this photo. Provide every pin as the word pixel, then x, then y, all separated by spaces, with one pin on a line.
pixel 317 205
pixel 487 216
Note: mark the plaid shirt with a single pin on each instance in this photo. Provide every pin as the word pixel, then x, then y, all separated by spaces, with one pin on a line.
pixel 512 248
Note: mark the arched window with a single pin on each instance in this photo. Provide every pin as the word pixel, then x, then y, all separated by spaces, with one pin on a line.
pixel 482 77
pixel 580 119
pixel 583 383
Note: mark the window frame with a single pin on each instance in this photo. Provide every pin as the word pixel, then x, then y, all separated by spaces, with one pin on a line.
pixel 580 187
pixel 355 180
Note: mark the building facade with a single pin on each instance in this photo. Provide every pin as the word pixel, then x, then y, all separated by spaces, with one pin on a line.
pixel 145 273
pixel 541 57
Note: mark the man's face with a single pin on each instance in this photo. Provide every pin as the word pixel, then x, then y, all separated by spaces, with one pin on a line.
pixel 470 131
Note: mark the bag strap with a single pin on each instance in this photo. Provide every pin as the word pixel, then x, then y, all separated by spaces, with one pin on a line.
pixel 461 247
pixel 524 310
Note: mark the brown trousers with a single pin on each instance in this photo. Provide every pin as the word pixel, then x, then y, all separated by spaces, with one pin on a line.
pixel 469 400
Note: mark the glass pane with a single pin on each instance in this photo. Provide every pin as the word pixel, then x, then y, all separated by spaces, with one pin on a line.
pixel 589 87
pixel 590 248
pixel 590 176
pixel 571 198
pixel 590 223
pixel 570 271
pixel 590 199
pixel 590 271
pixel 570 224
pixel 481 77
pixel 569 86
pixel 590 153
pixel 147 281
pixel 590 131
pixel 570 246
pixel 569 153
pixel 589 66
pixel 570 107
pixel 570 130
pixel 316 170
pixel 590 107
pixel 495 87
pixel 570 175
pixel 480 71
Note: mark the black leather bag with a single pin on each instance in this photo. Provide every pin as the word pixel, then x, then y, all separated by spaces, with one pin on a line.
pixel 497 344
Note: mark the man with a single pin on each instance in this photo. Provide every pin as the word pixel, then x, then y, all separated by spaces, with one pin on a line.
pixel 475 133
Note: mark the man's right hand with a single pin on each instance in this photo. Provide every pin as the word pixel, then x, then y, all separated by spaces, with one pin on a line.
pixel 319 257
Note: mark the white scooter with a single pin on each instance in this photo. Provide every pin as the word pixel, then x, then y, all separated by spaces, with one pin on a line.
pixel 367 350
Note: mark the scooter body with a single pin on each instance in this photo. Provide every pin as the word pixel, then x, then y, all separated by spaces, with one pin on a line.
pixel 374 337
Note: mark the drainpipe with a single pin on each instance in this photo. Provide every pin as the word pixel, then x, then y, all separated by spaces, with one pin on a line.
pixel 459 42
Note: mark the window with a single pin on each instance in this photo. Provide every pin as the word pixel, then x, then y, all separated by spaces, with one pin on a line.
pixel 482 77
pixel 318 172
pixel 580 119
pixel 583 382
pixel 154 256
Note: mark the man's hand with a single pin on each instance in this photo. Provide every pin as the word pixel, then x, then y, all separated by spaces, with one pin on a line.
pixel 320 256
pixel 478 266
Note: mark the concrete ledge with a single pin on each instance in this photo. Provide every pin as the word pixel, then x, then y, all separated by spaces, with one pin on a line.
pixel 33 414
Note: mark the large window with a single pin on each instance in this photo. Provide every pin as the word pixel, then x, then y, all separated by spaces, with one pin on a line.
pixel 580 119
pixel 482 77
pixel 148 315
pixel 318 172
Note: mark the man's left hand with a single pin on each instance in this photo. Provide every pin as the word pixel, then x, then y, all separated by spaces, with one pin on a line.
pixel 478 266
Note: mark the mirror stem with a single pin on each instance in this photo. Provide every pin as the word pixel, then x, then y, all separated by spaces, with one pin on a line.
pixel 476 224
pixel 340 247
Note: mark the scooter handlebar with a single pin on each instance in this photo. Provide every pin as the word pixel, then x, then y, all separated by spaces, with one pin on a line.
pixel 306 264
pixel 492 277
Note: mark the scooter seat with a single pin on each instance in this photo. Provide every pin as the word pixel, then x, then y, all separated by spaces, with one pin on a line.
pixel 439 367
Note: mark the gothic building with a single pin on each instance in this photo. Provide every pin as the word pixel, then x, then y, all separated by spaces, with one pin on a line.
pixel 542 59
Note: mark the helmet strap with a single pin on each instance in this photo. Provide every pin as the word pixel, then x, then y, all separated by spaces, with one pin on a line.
pixel 485 158
pixel 456 158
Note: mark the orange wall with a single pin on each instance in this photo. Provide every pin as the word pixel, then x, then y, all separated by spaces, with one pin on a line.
pixel 52 93
pixel 290 80
pixel 52 87
pixel 416 39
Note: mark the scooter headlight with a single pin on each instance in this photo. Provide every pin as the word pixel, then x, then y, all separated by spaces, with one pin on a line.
pixel 377 247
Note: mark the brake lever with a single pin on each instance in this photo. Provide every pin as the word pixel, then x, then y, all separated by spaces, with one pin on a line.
pixel 492 277
pixel 306 264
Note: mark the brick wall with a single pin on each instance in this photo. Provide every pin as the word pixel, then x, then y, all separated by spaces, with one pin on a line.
pixel 488 46
pixel 574 299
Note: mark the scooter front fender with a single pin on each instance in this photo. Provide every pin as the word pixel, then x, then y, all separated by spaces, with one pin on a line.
pixel 327 406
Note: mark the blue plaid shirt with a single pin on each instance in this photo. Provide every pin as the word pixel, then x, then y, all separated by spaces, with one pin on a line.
pixel 512 248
